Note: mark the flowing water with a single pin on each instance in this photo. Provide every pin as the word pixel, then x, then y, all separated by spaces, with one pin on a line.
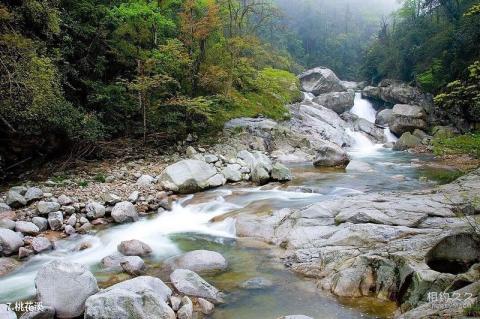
pixel 189 226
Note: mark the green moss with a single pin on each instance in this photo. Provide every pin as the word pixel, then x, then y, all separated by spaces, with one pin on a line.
pixel 464 144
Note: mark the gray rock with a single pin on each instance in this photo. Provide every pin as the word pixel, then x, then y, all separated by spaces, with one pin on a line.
pixel 338 102
pixel 42 223
pixel 69 209
pixel 10 242
pixel 133 197
pixel 40 244
pixel 65 287
pixel 44 208
pixel 27 228
pixel 95 210
pixel 406 141
pixel 384 117
pixel 24 252
pixel 111 199
pixel 145 181
pixel 70 230
pixel 320 80
pixel 331 155
pixel 55 220
pixel 4 208
pixel 124 212
pixel 64 200
pixel 407 118
pixel 133 265
pixel 216 181
pixel 199 261
pixel 176 302
pixel 256 283
pixel 281 173
pixel 190 151
pixel 260 175
pixel 372 131
pixel 142 297
pixel 19 189
pixel 191 284
pixel 45 313
pixel 7 223
pixel 33 194
pixel 206 307
pixel 6 312
pixel 232 173
pixel 187 176
pixel 72 220
pixel 251 124
pixel 186 311
pixel 210 158
pixel 7 265
pixel 15 200
pixel 134 248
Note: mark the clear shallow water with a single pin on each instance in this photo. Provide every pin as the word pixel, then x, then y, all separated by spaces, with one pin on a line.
pixel 206 221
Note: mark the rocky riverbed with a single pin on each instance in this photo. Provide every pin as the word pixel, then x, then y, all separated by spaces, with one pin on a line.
pixel 360 222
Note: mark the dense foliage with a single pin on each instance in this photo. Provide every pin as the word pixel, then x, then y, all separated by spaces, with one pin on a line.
pixel 91 69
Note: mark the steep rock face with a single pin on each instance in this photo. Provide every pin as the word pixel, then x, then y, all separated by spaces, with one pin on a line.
pixel 321 80
pixel 396 92
pixel 392 246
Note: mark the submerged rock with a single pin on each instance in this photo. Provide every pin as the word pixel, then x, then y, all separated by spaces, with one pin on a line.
pixel 384 117
pixel 65 286
pixel 256 283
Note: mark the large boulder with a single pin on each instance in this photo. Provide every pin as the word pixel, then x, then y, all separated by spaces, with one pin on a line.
pixel 10 242
pixel 199 261
pixel 331 155
pixel 191 284
pixel 124 212
pixel 407 141
pixel 259 164
pixel 395 92
pixel 407 118
pixel 372 131
pixel 320 80
pixel 384 117
pixel 6 312
pixel 281 173
pixel 134 248
pixel 187 176
pixel 336 101
pixel 65 286
pixel 142 297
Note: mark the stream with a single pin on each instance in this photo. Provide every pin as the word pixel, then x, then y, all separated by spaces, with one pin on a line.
pixel 188 226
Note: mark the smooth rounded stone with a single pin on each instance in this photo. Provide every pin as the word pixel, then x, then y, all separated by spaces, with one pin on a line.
pixel 190 151
pixel 186 310
pixel 260 175
pixel 384 117
pixel 45 313
pixel 112 261
pixel 69 209
pixel 217 180
pixel 24 252
pixel 42 223
pixel 55 220
pixel 407 141
pixel 320 80
pixel 210 158
pixel 6 312
pixel 69 230
pixel 8 224
pixel 15 200
pixel 232 173
pixel 256 283
pixel 133 197
pixel 7 265
pixel 19 189
pixel 4 208
pixel 141 297
pixel 133 265
pixel 65 286
pixel 199 261
pixel 27 228
pixel 176 302
pixel 124 212
pixel 111 199
pixel 206 307
pixel 187 176
pixel 281 173
pixel 40 244
pixel 10 242
pixel 339 102
pixel 134 248
pixel 407 118
pixel 331 155
pixel 145 181
pixel 72 220
pixel 44 208
pixel 295 317
pixel 64 200
pixel 359 167
pixel 33 194
pixel 189 283
pixel 95 210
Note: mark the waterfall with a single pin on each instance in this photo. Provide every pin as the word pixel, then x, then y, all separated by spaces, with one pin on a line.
pixel 389 136
pixel 363 108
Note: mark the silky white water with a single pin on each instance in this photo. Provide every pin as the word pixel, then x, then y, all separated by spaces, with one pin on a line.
pixel 363 108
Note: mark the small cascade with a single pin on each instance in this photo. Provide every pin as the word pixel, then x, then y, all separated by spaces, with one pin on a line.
pixel 362 145
pixel 389 136
pixel 363 108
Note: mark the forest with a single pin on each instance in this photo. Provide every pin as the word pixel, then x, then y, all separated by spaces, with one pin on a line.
pixel 76 72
